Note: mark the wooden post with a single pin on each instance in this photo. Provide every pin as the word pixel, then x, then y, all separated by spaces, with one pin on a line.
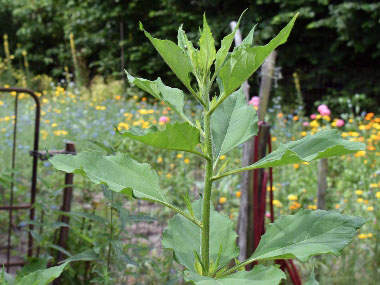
pixel 267 71
pixel 66 205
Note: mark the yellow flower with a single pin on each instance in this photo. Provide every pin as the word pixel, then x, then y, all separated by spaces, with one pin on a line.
pixel 1 103
pixel 314 124
pixel 370 208
pixel 273 188
pixel 296 166
pixel 337 206
pixel 370 235
pixel 222 157
pixel 101 108
pixel 359 192
pixel 53 125
pixel 238 194
pixel 186 161
pixel 118 97
pixel 373 185
pixel 292 197
pixel 362 236
pixel 360 200
pixel 312 207
pixel 122 126
pixel 277 203
pixel 180 155
pixel 378 195
pixel 168 175
pixel 222 200
pixel 360 153
pixel 159 159
pixel 303 134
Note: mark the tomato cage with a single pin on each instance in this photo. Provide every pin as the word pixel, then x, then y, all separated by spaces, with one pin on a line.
pixel 7 257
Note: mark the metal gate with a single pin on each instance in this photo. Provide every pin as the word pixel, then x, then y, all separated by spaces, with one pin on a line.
pixel 11 207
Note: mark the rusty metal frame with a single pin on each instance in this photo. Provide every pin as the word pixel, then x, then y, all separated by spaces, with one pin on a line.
pixel 33 190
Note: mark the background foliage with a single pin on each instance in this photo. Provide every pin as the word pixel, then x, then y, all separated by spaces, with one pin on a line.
pixel 333 42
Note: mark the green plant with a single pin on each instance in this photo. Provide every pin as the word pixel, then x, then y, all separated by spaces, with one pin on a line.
pixel 203 240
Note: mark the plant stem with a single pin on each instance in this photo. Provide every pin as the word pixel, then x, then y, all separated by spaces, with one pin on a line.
pixel 207 194
pixel 111 236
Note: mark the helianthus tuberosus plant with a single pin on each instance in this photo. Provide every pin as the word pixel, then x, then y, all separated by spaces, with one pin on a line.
pixel 203 240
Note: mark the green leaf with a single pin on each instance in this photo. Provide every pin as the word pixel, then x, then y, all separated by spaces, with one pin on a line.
pixel 178 136
pixel 146 85
pixel 119 172
pixel 174 56
pixel 225 46
pixel 245 60
pixel 88 255
pixel 248 40
pixel 232 123
pixel 321 145
pixel 42 277
pixel 207 51
pixel 173 97
pixel 311 280
pixel 259 275
pixel 305 234
pixel 33 264
pixel 99 220
pixel 184 238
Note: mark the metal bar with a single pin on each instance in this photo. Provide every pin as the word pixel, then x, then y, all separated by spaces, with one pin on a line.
pixel 12 183
pixel 66 205
pixel 15 263
pixel 16 207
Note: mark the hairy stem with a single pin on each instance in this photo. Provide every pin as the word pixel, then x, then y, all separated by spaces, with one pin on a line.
pixel 207 195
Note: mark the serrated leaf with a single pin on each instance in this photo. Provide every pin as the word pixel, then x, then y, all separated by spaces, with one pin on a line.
pixel 248 40
pixel 311 280
pixel 178 136
pixel 232 123
pixel 174 56
pixel 259 275
pixel 42 277
pixel 173 97
pixel 206 47
pixel 245 60
pixel 305 234
pixel 225 46
pixel 184 238
pixel 119 172
pixel 323 144
pixel 146 85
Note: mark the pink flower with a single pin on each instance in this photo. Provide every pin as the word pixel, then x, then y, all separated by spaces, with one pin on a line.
pixel 254 101
pixel 339 123
pixel 305 124
pixel 324 110
pixel 313 116
pixel 164 119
